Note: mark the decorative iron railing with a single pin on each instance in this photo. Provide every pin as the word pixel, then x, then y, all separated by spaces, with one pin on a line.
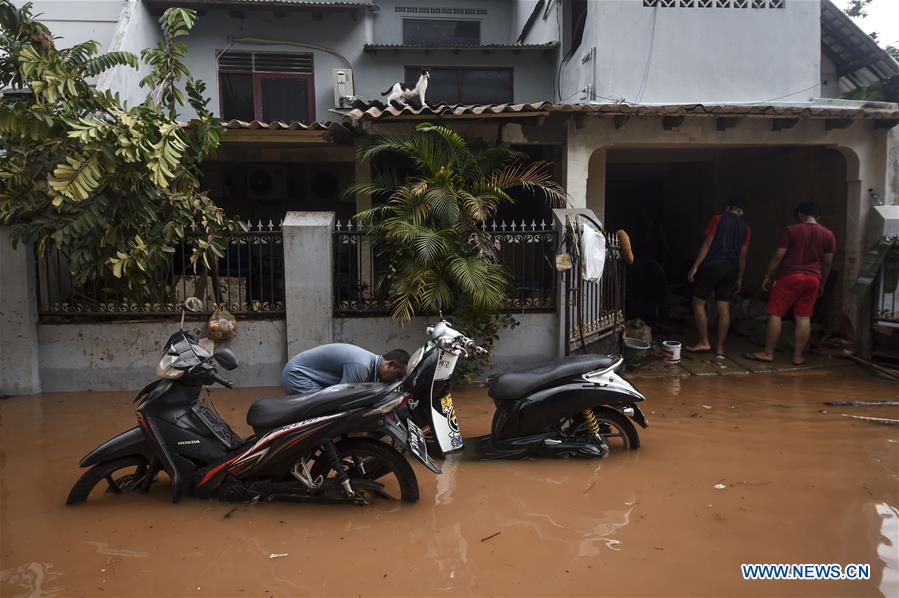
pixel 595 309
pixel 525 250
pixel 249 282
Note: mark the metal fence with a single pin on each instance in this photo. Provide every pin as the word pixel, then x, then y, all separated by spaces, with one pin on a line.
pixel 249 282
pixel 886 309
pixel 595 309
pixel 526 251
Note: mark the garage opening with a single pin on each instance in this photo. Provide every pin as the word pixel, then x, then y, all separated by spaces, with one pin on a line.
pixel 665 198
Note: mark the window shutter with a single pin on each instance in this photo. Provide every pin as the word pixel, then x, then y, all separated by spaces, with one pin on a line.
pixel 296 63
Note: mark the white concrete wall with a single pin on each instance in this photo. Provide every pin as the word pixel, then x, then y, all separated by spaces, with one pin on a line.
pixel 76 21
pixel 698 54
pixel 123 356
pixel 136 30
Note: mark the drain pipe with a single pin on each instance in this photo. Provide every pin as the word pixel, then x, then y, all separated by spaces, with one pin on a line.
pixel 284 42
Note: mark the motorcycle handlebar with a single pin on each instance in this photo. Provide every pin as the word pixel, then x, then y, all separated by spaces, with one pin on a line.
pixel 223 381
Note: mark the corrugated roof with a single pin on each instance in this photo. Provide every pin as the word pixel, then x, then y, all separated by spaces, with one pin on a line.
pixel 277 125
pixel 293 3
pixel 856 56
pixel 371 48
pixel 826 109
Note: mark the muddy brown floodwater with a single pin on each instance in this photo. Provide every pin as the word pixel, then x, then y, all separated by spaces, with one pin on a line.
pixel 801 485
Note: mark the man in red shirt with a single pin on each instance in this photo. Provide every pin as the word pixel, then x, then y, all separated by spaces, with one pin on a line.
pixel 718 270
pixel 805 257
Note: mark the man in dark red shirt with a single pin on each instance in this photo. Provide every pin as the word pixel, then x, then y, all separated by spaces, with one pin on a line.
pixel 805 257
pixel 718 270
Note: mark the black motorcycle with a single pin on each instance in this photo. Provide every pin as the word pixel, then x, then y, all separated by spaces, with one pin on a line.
pixel 571 407
pixel 338 445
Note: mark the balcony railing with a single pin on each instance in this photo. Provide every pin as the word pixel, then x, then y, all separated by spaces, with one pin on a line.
pixel 525 250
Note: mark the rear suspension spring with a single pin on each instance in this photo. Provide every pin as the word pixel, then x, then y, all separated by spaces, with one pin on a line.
pixel 592 424
pixel 334 460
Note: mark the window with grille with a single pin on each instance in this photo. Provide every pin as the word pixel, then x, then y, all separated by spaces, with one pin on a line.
pixel 757 4
pixel 466 85
pixel 266 86
pixel 441 32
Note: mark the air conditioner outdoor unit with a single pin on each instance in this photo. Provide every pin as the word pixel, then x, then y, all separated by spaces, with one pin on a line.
pixel 266 181
pixel 344 91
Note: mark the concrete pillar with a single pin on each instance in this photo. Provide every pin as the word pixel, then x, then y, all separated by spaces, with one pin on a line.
pixel 308 279
pixel 363 202
pixel 18 319
pixel 596 184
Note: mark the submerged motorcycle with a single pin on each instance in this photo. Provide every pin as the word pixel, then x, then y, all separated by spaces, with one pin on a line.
pixel 338 445
pixel 571 407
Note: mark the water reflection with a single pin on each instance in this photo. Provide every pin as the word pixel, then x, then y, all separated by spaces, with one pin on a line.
pixel 34 579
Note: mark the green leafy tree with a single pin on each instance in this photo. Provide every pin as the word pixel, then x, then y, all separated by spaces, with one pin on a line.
pixel 113 187
pixel 428 230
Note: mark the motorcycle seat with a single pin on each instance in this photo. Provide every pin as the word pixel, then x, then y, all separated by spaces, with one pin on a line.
pixel 512 386
pixel 273 412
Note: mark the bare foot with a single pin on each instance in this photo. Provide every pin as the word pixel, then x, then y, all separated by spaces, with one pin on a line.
pixel 700 348
pixel 798 361
pixel 764 358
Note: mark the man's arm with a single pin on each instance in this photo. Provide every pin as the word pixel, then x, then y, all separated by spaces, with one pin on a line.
pixel 776 259
pixel 703 252
pixel 742 270
pixel 826 265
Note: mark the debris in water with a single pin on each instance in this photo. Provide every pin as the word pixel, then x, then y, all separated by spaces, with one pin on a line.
pixel 231 512
pixel 277 555
pixel 695 415
pixel 862 403
pixel 720 486
pixel 876 420
pixel 590 485
pixel 706 406
pixel 490 536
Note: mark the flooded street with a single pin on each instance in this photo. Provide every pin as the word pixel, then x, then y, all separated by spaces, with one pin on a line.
pixel 802 484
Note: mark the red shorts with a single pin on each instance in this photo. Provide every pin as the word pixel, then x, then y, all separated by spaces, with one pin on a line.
pixel 799 291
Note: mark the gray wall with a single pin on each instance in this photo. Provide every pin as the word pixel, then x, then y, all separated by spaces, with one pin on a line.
pixel 136 30
pixel 76 21
pixel 699 54
pixel 535 339
pixel 496 26
pixel 119 356
pixel 339 32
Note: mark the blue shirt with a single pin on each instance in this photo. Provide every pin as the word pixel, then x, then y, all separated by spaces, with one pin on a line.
pixel 327 365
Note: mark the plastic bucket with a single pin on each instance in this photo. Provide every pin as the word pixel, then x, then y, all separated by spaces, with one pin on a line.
pixel 634 351
pixel 671 350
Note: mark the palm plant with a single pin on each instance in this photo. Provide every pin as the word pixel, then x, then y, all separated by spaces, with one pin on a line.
pixel 430 230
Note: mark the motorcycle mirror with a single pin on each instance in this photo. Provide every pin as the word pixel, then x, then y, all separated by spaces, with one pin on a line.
pixel 226 358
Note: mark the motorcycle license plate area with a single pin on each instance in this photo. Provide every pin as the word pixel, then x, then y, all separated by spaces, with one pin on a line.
pixel 419 447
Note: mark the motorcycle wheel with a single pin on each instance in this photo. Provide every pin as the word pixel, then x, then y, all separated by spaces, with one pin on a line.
pixel 614 426
pixel 372 460
pixel 121 475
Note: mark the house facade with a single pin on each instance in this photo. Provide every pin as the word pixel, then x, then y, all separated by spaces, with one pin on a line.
pixel 653 113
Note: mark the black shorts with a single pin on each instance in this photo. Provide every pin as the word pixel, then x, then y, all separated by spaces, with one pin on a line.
pixel 720 279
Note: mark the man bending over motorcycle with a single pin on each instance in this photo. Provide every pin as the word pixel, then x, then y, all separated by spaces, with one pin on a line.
pixel 339 363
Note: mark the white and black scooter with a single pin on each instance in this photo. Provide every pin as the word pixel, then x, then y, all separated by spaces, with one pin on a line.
pixel 572 407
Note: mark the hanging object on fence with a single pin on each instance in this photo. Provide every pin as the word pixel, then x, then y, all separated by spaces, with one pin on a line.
pixel 593 251
pixel 626 250
pixel 222 325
